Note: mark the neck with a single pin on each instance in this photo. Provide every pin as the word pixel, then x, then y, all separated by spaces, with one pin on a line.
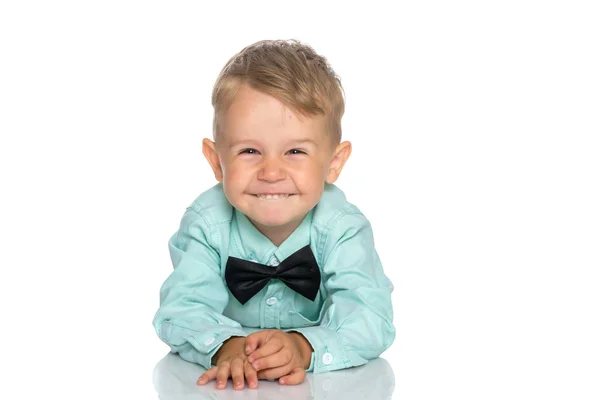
pixel 277 234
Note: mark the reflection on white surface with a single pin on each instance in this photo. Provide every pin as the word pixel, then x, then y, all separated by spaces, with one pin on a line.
pixel 175 379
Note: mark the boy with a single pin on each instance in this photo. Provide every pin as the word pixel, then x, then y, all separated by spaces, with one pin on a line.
pixel 275 273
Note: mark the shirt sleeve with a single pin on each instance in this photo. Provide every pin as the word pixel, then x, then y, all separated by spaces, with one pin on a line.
pixel 193 297
pixel 357 323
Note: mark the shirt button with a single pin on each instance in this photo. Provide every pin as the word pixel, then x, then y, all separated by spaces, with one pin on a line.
pixel 327 358
pixel 274 262
pixel 271 301
pixel 209 341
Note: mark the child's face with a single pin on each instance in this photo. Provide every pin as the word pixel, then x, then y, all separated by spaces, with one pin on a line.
pixel 273 163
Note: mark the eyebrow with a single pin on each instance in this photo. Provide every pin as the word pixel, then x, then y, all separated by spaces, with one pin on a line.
pixel 253 142
pixel 240 142
pixel 297 141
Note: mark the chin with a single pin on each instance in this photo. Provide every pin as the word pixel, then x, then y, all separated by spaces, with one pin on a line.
pixel 271 222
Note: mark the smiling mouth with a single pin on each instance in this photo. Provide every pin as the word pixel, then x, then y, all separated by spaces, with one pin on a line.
pixel 273 196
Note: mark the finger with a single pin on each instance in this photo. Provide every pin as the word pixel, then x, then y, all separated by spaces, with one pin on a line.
pixel 223 374
pixel 237 373
pixel 209 375
pixel 275 373
pixel 271 347
pixel 297 376
pixel 277 359
pixel 256 340
pixel 251 376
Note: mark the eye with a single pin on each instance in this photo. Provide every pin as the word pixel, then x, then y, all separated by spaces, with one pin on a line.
pixel 249 151
pixel 296 151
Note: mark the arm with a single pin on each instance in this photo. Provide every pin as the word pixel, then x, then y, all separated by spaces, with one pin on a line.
pixel 194 296
pixel 357 323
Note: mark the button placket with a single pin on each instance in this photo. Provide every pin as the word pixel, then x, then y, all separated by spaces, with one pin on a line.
pixel 271 311
pixel 272 301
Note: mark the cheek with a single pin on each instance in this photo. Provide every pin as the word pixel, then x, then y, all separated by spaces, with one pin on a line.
pixel 235 171
pixel 319 170
pixel 235 181
pixel 311 175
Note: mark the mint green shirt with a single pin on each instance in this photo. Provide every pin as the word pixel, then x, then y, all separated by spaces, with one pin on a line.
pixel 349 322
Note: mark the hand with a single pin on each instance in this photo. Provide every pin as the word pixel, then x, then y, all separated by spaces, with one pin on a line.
pixel 231 360
pixel 276 354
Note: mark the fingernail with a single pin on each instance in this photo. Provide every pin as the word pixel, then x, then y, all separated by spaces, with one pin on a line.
pixel 282 381
pixel 255 365
pixel 247 349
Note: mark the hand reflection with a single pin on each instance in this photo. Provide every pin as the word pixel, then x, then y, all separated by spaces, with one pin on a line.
pixel 175 379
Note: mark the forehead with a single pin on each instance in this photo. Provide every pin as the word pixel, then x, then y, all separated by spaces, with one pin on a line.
pixel 254 115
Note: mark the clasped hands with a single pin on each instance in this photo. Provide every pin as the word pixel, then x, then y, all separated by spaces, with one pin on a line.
pixel 267 354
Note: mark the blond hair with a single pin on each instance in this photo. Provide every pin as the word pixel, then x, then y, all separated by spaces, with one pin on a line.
pixel 291 72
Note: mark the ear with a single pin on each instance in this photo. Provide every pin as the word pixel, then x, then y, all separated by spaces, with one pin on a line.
pixel 209 149
pixel 340 155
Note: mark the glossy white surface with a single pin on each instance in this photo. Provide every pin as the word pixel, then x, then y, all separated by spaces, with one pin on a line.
pixel 175 379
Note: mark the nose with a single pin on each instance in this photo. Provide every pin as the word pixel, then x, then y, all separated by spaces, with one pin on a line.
pixel 271 171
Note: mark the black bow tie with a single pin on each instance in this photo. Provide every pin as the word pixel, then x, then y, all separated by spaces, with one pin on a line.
pixel 300 272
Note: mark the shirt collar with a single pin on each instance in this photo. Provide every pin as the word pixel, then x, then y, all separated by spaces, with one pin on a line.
pixel 259 248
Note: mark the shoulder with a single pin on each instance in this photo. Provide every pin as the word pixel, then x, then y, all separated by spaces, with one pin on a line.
pixel 332 207
pixel 212 206
pixel 335 217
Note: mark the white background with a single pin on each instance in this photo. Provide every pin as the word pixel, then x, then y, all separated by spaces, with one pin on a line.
pixel 475 127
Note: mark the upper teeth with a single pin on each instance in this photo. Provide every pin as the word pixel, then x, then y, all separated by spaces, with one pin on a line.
pixel 272 196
